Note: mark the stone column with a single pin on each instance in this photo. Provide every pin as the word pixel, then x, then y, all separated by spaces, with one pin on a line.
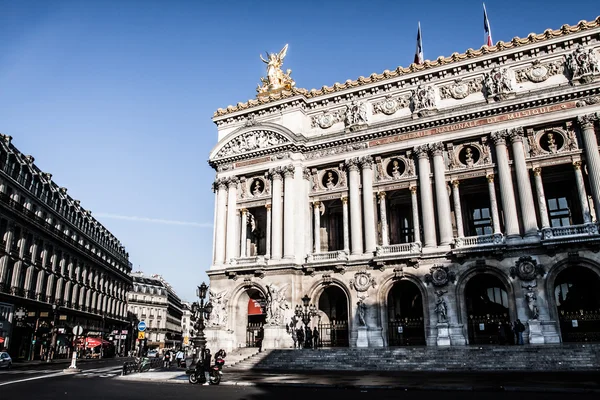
pixel 368 204
pixel 268 244
pixel 243 229
pixel 384 226
pixel 346 225
pixel 415 214
pixel 306 208
pixel 493 204
pixel 429 231
pixel 457 209
pixel 590 143
pixel 288 212
pixel 232 221
pixel 221 220
pixel 355 217
pixel 528 217
pixel 317 226
pixel 441 194
pixel 583 199
pixel 277 217
pixel 541 197
pixel 507 193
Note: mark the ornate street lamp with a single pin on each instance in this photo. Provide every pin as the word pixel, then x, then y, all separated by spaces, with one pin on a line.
pixel 306 312
pixel 200 312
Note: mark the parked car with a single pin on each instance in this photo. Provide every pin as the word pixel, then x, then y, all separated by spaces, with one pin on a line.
pixel 5 360
pixel 152 353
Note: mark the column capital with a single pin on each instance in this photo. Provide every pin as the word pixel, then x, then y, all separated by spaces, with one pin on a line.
pixel 244 211
pixel 421 151
pixel 381 195
pixel 537 171
pixel 437 148
pixel 288 171
pixel 499 137
pixel 516 134
pixel 352 164
pixel 455 182
pixel 577 164
pixel 490 178
pixel 232 182
pixel 276 173
pixel 344 200
pixel 366 162
pixel 220 183
pixel 413 189
pixel 316 204
pixel 587 121
pixel 306 173
pixel 268 207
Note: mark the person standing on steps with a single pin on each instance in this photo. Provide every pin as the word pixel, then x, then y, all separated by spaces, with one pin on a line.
pixel 519 329
pixel 315 335
pixel 261 336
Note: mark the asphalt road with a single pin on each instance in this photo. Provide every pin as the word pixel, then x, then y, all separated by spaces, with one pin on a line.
pixel 24 373
pixel 97 386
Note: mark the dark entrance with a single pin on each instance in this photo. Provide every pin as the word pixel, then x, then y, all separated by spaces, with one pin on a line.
pixel 405 315
pixel 577 295
pixel 334 331
pixel 487 310
pixel 256 319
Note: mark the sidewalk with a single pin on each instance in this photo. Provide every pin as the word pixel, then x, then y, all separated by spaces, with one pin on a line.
pixel 565 382
pixel 63 361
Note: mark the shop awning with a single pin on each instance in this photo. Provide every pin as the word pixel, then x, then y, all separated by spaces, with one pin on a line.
pixel 91 342
pixel 1 340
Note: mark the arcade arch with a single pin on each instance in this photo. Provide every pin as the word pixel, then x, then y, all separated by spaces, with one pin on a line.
pixel 405 314
pixel 333 322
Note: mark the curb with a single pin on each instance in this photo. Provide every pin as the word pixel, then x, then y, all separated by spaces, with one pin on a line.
pixel 465 388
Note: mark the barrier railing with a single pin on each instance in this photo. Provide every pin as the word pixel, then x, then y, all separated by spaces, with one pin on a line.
pixel 138 365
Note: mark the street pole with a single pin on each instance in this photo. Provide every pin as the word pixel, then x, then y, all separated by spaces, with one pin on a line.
pixel 54 334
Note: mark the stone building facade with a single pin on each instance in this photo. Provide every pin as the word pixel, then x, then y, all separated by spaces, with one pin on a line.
pixel 433 205
pixel 59 267
pixel 154 301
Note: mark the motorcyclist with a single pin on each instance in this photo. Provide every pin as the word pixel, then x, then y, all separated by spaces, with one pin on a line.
pixel 206 366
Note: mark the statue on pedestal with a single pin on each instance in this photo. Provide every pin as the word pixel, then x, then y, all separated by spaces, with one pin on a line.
pixel 441 309
pixel 276 79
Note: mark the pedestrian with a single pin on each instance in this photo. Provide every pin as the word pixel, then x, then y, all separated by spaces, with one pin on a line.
pixel 260 337
pixel 295 337
pixel 206 367
pixel 179 357
pixel 315 335
pixel 167 359
pixel 300 335
pixel 308 337
pixel 519 328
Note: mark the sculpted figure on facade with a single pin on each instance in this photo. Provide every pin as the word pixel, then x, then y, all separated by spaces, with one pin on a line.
pixel 423 98
pixel 539 72
pixel 441 309
pixel 531 299
pixel 460 89
pixel 583 64
pixel 219 315
pixel 251 141
pixel 498 83
pixel 362 311
pixel 356 114
pixel 389 105
pixel 326 119
pixel 276 79
pixel 276 304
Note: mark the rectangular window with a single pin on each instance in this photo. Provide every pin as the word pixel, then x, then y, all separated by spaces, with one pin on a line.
pixel 559 212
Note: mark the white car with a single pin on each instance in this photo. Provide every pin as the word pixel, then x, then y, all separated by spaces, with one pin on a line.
pixel 152 353
pixel 5 360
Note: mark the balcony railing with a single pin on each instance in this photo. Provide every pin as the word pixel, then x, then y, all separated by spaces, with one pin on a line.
pixel 256 260
pixel 573 231
pixel 401 248
pixel 337 255
pixel 483 240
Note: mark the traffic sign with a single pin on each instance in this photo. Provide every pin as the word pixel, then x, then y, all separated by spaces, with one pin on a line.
pixel 141 335
pixel 77 330
pixel 21 313
pixel 142 326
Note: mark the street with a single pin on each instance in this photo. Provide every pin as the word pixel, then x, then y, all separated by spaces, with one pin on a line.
pixel 101 382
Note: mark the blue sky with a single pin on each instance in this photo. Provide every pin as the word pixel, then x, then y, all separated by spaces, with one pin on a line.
pixel 115 98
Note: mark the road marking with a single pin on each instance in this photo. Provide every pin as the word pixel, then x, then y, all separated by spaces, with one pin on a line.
pixel 32 379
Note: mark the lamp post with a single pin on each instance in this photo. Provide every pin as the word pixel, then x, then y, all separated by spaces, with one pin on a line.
pixel 102 335
pixel 200 311
pixel 55 309
pixel 306 312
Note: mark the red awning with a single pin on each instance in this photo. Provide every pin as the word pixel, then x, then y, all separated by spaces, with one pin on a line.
pixel 1 340
pixel 94 342
pixel 254 307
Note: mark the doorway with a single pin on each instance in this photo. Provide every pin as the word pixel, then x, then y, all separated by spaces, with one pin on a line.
pixel 487 309
pixel 405 315
pixel 333 326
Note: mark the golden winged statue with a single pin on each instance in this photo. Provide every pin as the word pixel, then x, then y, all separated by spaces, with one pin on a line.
pixel 276 79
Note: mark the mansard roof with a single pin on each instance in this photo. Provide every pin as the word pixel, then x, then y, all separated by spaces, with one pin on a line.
pixel 500 46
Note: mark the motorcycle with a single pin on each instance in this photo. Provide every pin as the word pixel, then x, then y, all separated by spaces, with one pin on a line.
pixel 196 374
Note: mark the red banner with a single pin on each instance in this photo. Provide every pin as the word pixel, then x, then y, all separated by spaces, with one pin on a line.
pixel 254 307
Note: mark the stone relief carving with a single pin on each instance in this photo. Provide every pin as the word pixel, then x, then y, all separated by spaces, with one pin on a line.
pixel 326 119
pixel 390 105
pixel 526 269
pixel 460 89
pixel 276 304
pixel 589 101
pixel 439 276
pixel 219 315
pixel 583 64
pixel 328 179
pixel 468 155
pixel 251 141
pixel 258 187
pixel 335 150
pixel 531 300
pixel 498 83
pixel 539 72
pixel 355 115
pixel 423 99
pixel 361 309
pixel 441 308
pixel 362 281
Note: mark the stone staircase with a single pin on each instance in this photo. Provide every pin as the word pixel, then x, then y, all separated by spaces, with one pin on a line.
pixel 571 357
pixel 242 358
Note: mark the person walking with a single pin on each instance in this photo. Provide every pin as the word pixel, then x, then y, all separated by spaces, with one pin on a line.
pixel 519 329
pixel 295 337
pixel 308 337
pixel 179 357
pixel 315 335
pixel 300 338
pixel 206 367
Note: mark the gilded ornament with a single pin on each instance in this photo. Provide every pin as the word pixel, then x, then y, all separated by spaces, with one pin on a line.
pixel 276 79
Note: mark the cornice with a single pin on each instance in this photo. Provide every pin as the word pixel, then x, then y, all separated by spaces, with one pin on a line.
pixel 299 95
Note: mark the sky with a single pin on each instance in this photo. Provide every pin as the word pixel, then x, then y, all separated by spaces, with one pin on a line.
pixel 115 98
